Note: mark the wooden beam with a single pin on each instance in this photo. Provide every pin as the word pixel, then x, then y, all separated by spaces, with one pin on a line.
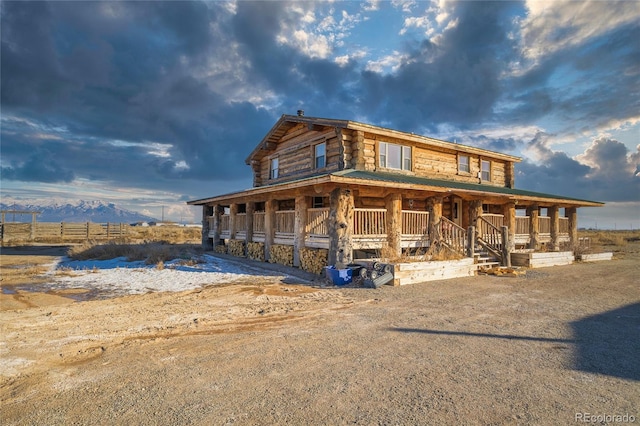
pixel 554 215
pixel 572 214
pixel 534 227
pixel 233 211
pixel 206 241
pixel 300 227
pixel 509 212
pixel 251 208
pixel 269 146
pixel 475 211
pixel 434 207
pixel 217 213
pixel 270 207
pixel 340 225
pixel 393 204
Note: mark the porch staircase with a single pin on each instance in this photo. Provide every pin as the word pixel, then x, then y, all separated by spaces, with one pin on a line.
pixel 484 259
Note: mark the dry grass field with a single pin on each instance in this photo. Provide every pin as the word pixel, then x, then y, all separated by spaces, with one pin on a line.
pixel 541 348
pixel 132 234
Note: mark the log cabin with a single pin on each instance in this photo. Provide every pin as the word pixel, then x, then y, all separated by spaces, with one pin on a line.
pixel 327 190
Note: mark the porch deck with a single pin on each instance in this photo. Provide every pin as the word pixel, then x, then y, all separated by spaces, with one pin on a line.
pixel 370 228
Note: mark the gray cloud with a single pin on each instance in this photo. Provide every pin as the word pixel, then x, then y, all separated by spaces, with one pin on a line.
pixel 605 172
pixel 103 84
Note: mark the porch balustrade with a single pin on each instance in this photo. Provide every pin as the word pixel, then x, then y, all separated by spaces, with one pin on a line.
pixel 285 227
pixel 225 228
pixel 369 222
pixel 496 220
pixel 317 222
pixel 240 226
pixel 369 228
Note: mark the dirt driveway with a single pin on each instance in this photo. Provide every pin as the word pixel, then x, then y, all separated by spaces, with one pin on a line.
pixel 539 349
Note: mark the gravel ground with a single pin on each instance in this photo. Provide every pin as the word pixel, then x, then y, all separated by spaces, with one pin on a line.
pixel 536 349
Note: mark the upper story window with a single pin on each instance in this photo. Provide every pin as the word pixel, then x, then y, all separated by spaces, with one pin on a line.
pixel 463 164
pixel 273 169
pixel 393 156
pixel 320 156
pixel 485 170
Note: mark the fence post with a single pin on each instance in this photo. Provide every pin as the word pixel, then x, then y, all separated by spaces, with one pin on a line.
pixel 62 230
pixel 88 231
pixel 506 247
pixel 108 235
pixel 33 227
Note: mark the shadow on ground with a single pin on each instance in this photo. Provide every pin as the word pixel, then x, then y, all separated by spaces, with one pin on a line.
pixel 609 343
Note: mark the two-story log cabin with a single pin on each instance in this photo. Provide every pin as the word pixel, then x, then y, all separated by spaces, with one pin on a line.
pixel 326 188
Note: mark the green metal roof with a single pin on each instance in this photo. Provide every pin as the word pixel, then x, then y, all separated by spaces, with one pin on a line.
pixel 417 180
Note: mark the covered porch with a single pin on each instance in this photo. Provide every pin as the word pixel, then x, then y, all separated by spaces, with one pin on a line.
pixel 343 213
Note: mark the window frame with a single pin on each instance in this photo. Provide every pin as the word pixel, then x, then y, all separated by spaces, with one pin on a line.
pixel 316 157
pixel 483 171
pixel 405 160
pixel 468 157
pixel 274 161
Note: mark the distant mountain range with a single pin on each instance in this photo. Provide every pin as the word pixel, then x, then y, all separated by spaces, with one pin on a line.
pixel 77 211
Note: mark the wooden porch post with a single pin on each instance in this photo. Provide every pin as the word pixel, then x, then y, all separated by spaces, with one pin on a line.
pixel 206 241
pixel 233 211
pixel 509 212
pixel 572 214
pixel 475 211
pixel 300 228
pixel 534 227
pixel 251 208
pixel 217 212
pixel 434 207
pixel 340 226
pixel 270 207
pixel 393 204
pixel 554 215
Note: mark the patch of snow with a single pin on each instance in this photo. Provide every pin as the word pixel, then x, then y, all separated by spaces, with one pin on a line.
pixel 120 277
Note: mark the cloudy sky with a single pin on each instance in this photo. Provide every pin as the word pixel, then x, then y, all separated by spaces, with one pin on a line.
pixel 149 104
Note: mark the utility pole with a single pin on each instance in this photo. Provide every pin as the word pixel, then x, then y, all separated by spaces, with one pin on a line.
pixel 162 214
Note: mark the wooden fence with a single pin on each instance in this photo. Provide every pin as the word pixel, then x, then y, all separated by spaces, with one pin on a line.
pixel 63 231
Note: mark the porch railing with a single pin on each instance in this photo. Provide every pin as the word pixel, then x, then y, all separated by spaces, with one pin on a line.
pixel 285 222
pixel 415 224
pixel 544 225
pixel 496 220
pixel 489 236
pixel 563 225
pixel 369 222
pixel 258 223
pixel 317 222
pixel 225 229
pixel 454 236
pixel 240 225
pixel 522 225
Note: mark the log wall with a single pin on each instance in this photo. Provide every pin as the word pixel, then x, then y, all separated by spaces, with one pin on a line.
pixel 295 153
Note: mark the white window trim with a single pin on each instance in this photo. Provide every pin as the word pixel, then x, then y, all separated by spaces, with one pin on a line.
pixel 403 158
pixel 273 175
pixel 315 156
pixel 468 157
pixel 482 171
